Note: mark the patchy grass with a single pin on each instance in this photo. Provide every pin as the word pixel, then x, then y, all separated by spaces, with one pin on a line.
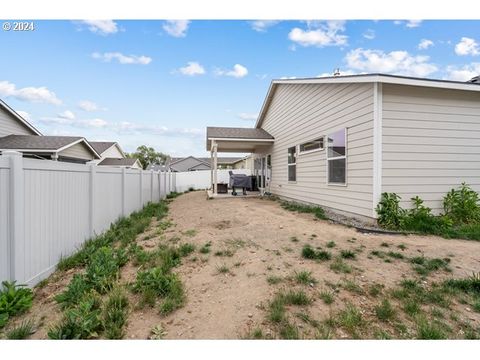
pixel 224 253
pixel 273 280
pixel 431 330
pixel 21 331
pixel 331 244
pixel 317 211
pixel 395 255
pixel 14 300
pixel 350 318
pixel 186 249
pixel 340 266
pixel 385 310
pixel 375 289
pixel 310 253
pixel 304 277
pixel 347 254
pixel 205 249
pixel 190 232
pixel 115 314
pixel 352 286
pixel 222 269
pixel 424 266
pixel 328 297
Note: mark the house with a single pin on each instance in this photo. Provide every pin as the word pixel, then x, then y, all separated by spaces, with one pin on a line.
pixel 18 134
pixel 191 163
pixel 340 142
pixel 111 154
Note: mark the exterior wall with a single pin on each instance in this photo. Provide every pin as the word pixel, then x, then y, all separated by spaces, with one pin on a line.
pixel 49 208
pixel 112 152
pixel 299 113
pixel 430 141
pixel 78 151
pixel 136 165
pixel 10 125
pixel 185 164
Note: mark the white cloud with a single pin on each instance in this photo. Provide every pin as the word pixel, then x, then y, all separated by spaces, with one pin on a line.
pixel 122 59
pixel 248 116
pixel 425 44
pixel 395 62
pixel 31 94
pixel 369 34
pixel 176 28
pixel 67 114
pixel 263 25
pixel 467 46
pixel 77 123
pixel 238 71
pixel 463 73
pixel 87 105
pixel 409 23
pixel 413 23
pixel 288 77
pixel 193 68
pixel 320 34
pixel 128 128
pixel 102 27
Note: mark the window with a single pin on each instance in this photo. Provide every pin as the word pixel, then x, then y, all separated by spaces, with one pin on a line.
pixel 336 157
pixel 292 163
pixel 316 144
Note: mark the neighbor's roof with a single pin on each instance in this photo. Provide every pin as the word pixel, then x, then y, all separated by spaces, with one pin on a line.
pixel 206 160
pixel 101 146
pixel 18 117
pixel 366 78
pixel 118 162
pixel 236 133
pixel 37 143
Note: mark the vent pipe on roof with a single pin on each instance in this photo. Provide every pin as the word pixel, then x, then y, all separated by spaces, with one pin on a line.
pixel 336 72
pixel 475 79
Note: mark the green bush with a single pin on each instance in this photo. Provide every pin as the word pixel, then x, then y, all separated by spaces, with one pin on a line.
pixel 114 314
pixel 75 291
pixel 157 280
pixel 14 299
pixel 103 268
pixel 390 214
pixel 309 253
pixel 461 205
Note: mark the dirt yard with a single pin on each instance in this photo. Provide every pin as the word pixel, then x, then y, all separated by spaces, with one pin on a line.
pixel 254 251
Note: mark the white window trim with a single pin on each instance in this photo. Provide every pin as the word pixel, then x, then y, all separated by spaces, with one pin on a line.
pixel 290 164
pixel 300 152
pixel 338 158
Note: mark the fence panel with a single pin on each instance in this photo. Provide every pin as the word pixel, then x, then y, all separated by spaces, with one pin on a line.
pixel 4 218
pixel 107 198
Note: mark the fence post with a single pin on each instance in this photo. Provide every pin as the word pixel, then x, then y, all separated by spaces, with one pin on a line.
pixel 141 188
pixel 91 215
pixel 159 186
pixel 151 186
pixel 16 245
pixel 124 192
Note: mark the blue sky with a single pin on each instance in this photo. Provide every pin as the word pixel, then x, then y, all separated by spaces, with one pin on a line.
pixel 161 83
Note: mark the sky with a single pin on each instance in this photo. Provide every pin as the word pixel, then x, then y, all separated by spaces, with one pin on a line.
pixel 160 83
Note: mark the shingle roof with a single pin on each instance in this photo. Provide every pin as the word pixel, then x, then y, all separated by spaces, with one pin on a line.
pixel 35 142
pixel 117 162
pixel 101 146
pixel 237 133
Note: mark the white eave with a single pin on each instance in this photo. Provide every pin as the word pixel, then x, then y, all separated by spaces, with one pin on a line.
pixel 367 78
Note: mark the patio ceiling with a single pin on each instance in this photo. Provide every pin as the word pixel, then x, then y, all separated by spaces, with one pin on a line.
pixel 238 139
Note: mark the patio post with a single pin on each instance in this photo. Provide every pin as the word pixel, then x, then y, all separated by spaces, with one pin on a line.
pixel 215 163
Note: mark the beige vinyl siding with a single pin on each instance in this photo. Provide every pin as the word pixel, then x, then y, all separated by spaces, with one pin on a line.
pixel 10 125
pixel 78 151
pixel 299 113
pixel 112 152
pixel 431 142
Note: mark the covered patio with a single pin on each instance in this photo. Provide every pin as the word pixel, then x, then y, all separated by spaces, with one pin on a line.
pixel 239 140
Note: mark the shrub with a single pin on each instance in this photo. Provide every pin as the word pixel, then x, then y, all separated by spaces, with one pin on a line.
pixel 14 299
pixel 390 214
pixel 461 205
pixel 103 268
pixel 309 253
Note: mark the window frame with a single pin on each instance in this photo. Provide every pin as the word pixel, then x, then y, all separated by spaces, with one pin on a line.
pixel 337 158
pixel 300 152
pixel 292 164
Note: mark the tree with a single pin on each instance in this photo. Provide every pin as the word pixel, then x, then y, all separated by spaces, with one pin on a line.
pixel 149 156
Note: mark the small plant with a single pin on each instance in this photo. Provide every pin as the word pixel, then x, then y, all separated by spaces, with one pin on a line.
pixel 289 331
pixel 327 297
pixel 347 254
pixel 461 205
pixel 14 299
pixel 223 269
pixel 190 232
pixel 385 310
pixel 321 255
pixel 22 331
pixel 385 244
pixel 75 291
pixel 304 277
pixel 186 249
pixel 157 332
pixel 331 244
pixel 402 247
pixel 411 308
pixel 157 280
pixel 114 314
pixel 390 214
pixel 294 239
pixel 430 330
pixel 315 210
pixel 395 255
pixel 351 319
pixel 340 266
pixel 273 280
pixel 375 289
pixel 424 266
pixel 352 286
pixel 205 249
pixel 226 252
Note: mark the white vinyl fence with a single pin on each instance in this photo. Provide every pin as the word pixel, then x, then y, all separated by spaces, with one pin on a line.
pixel 201 179
pixel 48 209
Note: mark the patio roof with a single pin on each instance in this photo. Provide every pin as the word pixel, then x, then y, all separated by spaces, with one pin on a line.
pixel 229 139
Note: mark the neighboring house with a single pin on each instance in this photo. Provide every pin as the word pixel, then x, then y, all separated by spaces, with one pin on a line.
pixel 340 142
pixel 60 148
pixel 191 163
pixel 18 134
pixel 131 163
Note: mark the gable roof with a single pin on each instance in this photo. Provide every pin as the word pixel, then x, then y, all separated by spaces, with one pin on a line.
pixel 365 78
pixel 19 118
pixel 118 162
pixel 101 146
pixel 236 133
pixel 42 143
